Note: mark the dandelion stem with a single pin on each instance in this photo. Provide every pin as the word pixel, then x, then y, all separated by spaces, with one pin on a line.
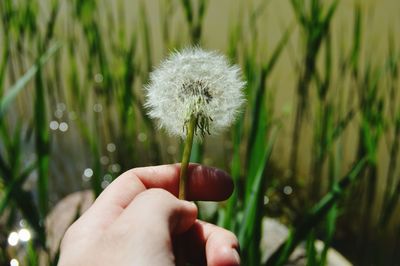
pixel 190 130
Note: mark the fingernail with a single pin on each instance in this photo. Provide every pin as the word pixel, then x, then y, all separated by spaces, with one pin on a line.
pixel 220 172
pixel 236 256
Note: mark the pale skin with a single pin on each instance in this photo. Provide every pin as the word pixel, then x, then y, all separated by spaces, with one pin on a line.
pixel 138 220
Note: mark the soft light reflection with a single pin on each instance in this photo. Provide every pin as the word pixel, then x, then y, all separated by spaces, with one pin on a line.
pixel 58 113
pixel 108 178
pixel 24 235
pixel 104 184
pixel 98 78
pixel 142 137
pixel 14 262
pixel 266 200
pixel 61 106
pixel 115 168
pixel 63 127
pixel 13 239
pixel 287 190
pixel 111 147
pixel 98 108
pixel 88 173
pixel 104 160
pixel 53 125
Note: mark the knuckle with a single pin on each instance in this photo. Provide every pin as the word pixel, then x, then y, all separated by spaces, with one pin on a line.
pixel 128 176
pixel 156 194
pixel 232 236
pixel 70 234
pixel 157 199
pixel 130 172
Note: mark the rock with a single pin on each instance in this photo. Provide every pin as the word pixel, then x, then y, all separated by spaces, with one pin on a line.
pixel 275 233
pixel 63 215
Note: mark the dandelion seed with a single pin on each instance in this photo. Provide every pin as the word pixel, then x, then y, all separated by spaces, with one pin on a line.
pixel 195 83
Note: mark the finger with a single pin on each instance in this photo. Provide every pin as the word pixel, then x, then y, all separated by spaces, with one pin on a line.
pixel 219 246
pixel 157 211
pixel 204 183
pixel 147 224
pixel 113 200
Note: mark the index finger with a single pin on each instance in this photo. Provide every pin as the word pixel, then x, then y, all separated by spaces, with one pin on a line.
pixel 204 183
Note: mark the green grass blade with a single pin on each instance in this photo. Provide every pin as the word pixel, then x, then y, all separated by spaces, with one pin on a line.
pixel 129 79
pixel 42 143
pixel 4 63
pixel 260 89
pixel 229 220
pixel 197 151
pixel 298 8
pixel 311 251
pixel 13 92
pixel 389 208
pixel 355 52
pixel 330 228
pixel 14 185
pixel 51 23
pixel 32 256
pixel 187 7
pixel 247 226
pixel 254 158
pixel 22 198
pixel 146 39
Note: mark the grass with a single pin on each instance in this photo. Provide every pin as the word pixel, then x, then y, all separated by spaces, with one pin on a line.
pixel 346 109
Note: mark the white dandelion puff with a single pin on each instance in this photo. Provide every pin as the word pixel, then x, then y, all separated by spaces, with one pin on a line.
pixel 195 83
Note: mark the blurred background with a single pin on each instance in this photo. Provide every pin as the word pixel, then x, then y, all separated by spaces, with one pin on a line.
pixel 316 148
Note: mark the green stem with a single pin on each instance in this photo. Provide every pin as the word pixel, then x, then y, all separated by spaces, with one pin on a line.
pixel 190 129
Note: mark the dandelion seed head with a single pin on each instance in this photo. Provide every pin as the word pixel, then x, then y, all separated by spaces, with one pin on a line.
pixel 195 82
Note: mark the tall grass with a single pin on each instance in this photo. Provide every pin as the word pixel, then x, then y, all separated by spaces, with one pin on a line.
pixel 345 99
pixel 315 18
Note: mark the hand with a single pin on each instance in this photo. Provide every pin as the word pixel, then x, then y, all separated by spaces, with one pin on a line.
pixel 137 220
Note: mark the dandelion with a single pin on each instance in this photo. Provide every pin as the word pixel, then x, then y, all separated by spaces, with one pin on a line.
pixel 194 92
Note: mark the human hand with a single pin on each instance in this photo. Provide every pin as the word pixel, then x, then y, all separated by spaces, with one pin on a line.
pixel 138 219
